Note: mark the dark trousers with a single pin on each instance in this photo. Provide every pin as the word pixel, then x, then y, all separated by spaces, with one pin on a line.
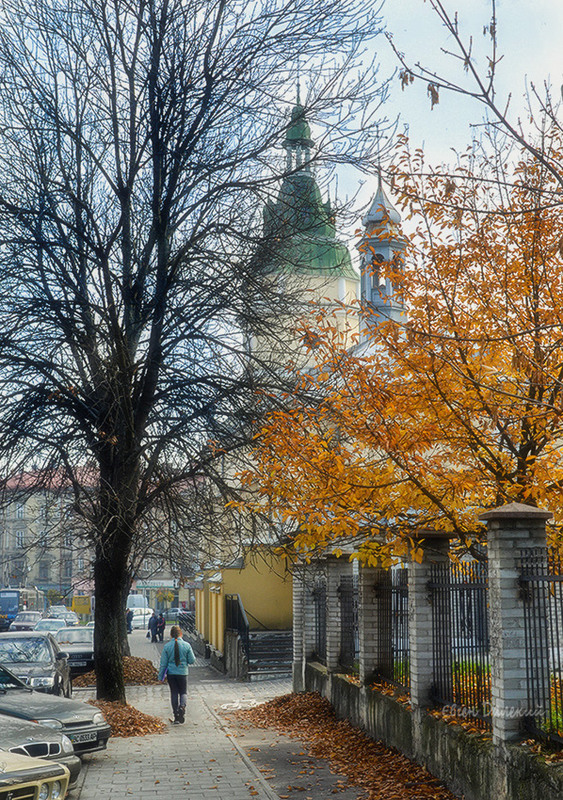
pixel 178 691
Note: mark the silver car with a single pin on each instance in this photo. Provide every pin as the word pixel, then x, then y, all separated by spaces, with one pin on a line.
pixel 38 741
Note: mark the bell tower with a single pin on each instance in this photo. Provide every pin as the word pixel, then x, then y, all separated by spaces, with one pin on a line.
pixel 381 254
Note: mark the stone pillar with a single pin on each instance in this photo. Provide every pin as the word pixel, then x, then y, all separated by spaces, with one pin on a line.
pixel 435 548
pixel 510 528
pixel 369 620
pixel 335 569
pixel 298 628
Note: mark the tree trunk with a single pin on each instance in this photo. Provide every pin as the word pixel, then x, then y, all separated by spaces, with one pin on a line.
pixel 111 576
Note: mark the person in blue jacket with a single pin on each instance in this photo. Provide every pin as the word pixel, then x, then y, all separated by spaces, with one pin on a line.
pixel 174 660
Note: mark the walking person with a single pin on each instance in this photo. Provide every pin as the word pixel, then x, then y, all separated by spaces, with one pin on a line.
pixel 152 626
pixel 160 626
pixel 129 619
pixel 174 660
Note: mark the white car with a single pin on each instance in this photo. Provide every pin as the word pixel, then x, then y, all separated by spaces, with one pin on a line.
pixel 141 617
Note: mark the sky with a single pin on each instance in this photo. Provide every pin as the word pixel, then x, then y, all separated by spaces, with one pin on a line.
pixel 529 38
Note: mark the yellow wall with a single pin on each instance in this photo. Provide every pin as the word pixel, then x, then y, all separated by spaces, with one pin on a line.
pixel 265 587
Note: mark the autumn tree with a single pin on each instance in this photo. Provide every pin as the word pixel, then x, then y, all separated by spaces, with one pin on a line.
pixel 457 408
pixel 136 154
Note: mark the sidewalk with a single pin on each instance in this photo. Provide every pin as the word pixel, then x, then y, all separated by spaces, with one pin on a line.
pixel 200 759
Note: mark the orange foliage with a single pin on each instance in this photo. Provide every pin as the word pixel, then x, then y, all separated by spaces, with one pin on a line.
pixel 456 410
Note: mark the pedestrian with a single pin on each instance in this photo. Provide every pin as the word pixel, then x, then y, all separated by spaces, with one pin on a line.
pixel 129 619
pixel 174 660
pixel 160 626
pixel 152 626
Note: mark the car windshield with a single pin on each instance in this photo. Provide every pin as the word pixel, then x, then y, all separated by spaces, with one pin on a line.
pixel 75 636
pixel 20 651
pixel 29 617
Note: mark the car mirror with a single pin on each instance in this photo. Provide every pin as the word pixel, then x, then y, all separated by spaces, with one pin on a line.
pixel 61 654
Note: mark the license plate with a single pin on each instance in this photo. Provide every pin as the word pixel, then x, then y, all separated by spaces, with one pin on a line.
pixel 78 663
pixel 83 737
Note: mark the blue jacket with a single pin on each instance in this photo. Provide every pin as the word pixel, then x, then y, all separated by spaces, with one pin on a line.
pixel 167 659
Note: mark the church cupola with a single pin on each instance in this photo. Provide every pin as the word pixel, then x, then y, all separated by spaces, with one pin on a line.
pixel 381 251
pixel 298 142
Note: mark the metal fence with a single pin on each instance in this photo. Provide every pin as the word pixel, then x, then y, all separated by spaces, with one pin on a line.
pixel 319 604
pixel 236 620
pixel 460 639
pixel 349 630
pixel 393 629
pixel 541 582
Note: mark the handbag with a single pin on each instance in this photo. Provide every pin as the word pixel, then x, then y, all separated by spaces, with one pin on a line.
pixel 148 635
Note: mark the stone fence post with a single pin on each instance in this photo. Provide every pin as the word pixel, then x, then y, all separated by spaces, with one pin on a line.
pixel 511 528
pixel 335 569
pixel 369 620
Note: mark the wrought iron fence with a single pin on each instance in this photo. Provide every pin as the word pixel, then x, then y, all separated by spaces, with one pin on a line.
pixel 349 630
pixel 393 629
pixel 236 620
pixel 541 582
pixel 319 604
pixel 460 639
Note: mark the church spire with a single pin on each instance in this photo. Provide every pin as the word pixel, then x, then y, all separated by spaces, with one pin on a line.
pixel 298 141
pixel 382 242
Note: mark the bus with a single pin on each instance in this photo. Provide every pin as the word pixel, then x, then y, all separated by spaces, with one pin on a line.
pixel 14 600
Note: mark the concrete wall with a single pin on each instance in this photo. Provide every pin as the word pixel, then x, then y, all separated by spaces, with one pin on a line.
pixel 469 764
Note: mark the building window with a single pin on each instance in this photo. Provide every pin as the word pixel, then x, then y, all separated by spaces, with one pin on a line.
pixel 20 510
pixel 42 539
pixel 67 569
pixel 68 540
pixel 80 564
pixel 19 538
pixel 44 570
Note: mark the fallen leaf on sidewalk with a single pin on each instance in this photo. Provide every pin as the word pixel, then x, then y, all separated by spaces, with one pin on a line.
pixel 136 672
pixel 126 720
pixel 380 771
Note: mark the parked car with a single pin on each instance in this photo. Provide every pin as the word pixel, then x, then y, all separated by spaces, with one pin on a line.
pixel 171 614
pixel 70 618
pixel 36 658
pixel 141 617
pixel 25 621
pixel 30 739
pixel 50 624
pixel 83 723
pixel 32 778
pixel 78 643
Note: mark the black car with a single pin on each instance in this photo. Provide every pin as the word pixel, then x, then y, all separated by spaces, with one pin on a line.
pixel 83 723
pixel 37 660
pixel 25 621
pixel 78 644
pixel 38 741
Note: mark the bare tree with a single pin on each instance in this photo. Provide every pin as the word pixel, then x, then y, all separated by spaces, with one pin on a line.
pixel 135 153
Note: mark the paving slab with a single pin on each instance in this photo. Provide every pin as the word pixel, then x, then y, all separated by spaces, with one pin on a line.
pixel 202 758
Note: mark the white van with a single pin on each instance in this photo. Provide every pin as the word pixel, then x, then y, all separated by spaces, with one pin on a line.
pixel 141 617
pixel 137 601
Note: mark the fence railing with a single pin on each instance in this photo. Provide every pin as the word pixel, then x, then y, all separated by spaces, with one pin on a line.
pixel 236 620
pixel 460 639
pixel 349 629
pixel 541 582
pixel 319 603
pixel 393 629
